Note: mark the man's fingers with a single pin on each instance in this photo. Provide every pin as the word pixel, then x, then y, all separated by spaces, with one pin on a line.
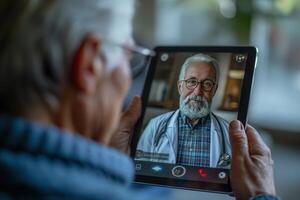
pixel 238 139
pixel 255 142
pixel 133 112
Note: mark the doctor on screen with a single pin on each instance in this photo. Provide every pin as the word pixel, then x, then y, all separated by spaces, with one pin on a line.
pixel 191 135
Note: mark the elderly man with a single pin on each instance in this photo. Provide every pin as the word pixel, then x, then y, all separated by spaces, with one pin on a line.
pixel 191 135
pixel 64 74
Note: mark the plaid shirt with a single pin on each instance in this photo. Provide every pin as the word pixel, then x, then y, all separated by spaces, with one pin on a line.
pixel 194 142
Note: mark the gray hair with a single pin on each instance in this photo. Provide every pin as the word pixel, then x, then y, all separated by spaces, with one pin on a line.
pixel 39 38
pixel 199 58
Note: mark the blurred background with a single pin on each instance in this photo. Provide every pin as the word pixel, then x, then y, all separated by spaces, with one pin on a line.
pixel 273 26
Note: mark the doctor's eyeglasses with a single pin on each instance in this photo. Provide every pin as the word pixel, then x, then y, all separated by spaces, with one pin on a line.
pixel 206 84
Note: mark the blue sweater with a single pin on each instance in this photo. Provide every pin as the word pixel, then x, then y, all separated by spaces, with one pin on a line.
pixel 42 161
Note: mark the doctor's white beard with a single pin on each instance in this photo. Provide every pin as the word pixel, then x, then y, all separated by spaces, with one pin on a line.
pixel 196 109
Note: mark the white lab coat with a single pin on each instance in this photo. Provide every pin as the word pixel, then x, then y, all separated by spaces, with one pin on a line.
pixel 167 144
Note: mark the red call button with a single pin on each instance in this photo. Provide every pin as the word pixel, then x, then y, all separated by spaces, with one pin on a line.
pixel 202 173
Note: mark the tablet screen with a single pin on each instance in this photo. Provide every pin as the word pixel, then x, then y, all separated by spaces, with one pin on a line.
pixel 190 98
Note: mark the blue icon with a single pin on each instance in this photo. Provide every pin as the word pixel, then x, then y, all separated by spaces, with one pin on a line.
pixel 157 168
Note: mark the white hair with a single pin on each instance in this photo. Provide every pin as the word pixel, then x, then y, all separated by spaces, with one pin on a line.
pixel 39 38
pixel 199 58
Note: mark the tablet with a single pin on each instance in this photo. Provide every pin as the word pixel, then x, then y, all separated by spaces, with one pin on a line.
pixel 190 95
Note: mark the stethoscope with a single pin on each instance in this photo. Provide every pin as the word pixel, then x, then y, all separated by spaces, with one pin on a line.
pixel 224 159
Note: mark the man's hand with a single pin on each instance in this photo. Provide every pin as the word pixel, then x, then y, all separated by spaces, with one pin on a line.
pixel 252 164
pixel 120 140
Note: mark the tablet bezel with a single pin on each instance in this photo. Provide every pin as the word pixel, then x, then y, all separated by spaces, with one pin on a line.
pixel 242 111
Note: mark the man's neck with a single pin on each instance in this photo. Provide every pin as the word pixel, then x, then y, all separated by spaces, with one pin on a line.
pixel 193 121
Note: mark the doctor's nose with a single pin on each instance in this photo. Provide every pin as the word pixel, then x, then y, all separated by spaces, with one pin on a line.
pixel 198 90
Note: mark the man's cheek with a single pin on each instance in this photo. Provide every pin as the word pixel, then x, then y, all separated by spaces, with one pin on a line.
pixel 208 98
pixel 186 99
pixel 121 80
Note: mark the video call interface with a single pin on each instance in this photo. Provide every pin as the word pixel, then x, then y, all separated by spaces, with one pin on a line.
pixel 193 97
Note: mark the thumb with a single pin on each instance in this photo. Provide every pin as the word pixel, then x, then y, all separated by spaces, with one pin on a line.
pixel 132 114
pixel 238 139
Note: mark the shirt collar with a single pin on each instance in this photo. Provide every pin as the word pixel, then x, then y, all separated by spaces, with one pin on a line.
pixel 202 120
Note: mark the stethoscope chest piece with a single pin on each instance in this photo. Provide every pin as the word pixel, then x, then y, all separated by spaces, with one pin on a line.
pixel 224 160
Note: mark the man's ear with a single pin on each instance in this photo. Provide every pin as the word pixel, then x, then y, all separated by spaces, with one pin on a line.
pixel 215 90
pixel 179 86
pixel 87 66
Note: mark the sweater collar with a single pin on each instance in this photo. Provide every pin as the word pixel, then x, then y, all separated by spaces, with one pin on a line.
pixel 21 135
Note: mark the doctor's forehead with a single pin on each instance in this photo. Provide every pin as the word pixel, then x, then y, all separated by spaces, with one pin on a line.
pixel 200 70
